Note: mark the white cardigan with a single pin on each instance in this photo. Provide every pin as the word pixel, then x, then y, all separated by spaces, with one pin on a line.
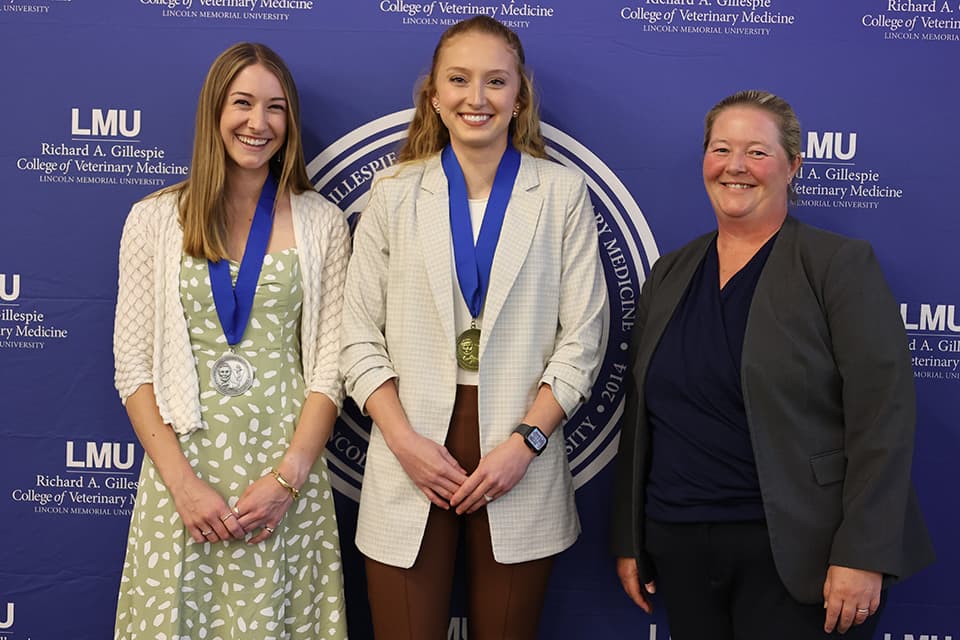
pixel 151 344
pixel 542 323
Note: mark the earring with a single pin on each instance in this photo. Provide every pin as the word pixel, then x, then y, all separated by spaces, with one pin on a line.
pixel 516 111
pixel 436 107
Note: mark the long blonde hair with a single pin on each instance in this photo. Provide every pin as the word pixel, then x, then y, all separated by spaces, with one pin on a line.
pixel 427 134
pixel 203 214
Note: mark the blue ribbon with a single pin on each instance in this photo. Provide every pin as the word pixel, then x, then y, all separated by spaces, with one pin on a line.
pixel 234 305
pixel 475 262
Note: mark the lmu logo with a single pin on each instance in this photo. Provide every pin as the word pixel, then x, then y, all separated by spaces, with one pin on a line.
pixel 104 455
pixel 829 145
pixel 931 317
pixel 106 123
pixel 11 294
pixel 7 623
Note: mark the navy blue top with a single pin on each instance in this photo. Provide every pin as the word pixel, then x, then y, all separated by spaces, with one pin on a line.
pixel 702 466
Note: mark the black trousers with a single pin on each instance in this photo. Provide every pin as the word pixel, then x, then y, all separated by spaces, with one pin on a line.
pixel 718 581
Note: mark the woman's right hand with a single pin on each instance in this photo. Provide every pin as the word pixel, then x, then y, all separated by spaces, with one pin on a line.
pixel 630 579
pixel 200 507
pixel 431 467
pixel 203 510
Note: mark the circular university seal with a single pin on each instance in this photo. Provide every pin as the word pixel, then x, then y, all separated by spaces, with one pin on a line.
pixel 344 171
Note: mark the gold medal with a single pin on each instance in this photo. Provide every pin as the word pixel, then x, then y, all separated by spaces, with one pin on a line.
pixel 468 348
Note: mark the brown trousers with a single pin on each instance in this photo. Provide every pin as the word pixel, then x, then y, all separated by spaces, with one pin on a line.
pixel 504 600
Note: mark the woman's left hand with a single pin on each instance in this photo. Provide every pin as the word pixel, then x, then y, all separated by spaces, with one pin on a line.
pixel 496 474
pixel 262 506
pixel 850 596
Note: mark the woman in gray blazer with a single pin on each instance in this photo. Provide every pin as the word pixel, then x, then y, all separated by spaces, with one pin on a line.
pixel 763 482
pixel 473 317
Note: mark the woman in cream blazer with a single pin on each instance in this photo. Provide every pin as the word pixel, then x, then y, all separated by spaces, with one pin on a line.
pixel 539 348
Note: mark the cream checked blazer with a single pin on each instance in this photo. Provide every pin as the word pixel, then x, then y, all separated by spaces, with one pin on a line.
pixel 542 323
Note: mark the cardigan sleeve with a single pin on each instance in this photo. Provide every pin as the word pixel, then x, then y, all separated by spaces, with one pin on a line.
pixel 325 374
pixel 134 318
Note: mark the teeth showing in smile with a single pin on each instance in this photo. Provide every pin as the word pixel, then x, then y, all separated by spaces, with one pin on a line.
pixel 738 185
pixel 254 142
pixel 470 117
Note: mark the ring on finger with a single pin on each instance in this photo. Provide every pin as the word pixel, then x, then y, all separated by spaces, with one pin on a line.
pixel 206 533
pixel 227 516
pixel 487 498
pixel 865 612
pixel 269 530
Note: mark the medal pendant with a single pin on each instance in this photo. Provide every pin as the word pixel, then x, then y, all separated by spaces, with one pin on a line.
pixel 232 374
pixel 468 349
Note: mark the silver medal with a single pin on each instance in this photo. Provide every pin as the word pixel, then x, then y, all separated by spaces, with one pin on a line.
pixel 232 374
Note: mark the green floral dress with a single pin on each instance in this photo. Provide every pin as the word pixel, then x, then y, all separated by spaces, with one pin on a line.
pixel 288 587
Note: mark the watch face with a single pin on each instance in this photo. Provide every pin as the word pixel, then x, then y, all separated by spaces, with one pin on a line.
pixel 537 439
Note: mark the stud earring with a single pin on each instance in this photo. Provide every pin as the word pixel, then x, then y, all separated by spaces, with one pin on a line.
pixel 516 111
pixel 436 107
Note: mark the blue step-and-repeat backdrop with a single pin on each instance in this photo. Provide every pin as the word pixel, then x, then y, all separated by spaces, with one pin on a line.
pixel 97 110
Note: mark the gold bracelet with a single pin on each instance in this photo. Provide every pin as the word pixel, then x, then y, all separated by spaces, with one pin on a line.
pixel 286 485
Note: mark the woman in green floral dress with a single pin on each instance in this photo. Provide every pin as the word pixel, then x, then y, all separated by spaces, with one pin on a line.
pixel 226 343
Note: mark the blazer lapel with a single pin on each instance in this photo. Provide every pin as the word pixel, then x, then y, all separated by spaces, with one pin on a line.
pixel 516 236
pixel 433 227
pixel 768 297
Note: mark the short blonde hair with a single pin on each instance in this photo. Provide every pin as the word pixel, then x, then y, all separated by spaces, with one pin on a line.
pixel 788 125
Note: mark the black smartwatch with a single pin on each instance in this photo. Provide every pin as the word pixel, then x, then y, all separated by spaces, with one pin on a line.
pixel 534 438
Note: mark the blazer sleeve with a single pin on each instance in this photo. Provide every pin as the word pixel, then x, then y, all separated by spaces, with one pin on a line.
pixel 136 300
pixel 878 399
pixel 325 376
pixel 364 359
pixel 625 534
pixel 573 365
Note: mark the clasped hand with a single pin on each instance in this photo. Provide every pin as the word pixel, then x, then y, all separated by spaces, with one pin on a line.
pixel 446 483
pixel 208 518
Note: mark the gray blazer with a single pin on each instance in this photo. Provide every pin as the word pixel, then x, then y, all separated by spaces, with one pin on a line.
pixel 828 390
pixel 542 323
